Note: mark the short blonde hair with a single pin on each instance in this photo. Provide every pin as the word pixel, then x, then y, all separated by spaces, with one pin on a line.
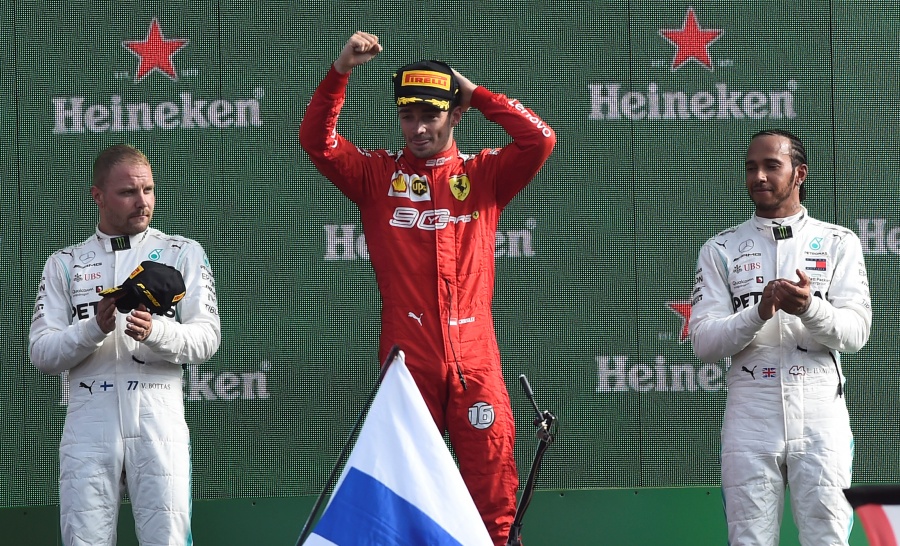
pixel 115 155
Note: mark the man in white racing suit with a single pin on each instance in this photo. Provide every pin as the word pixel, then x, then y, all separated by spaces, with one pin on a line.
pixel 782 294
pixel 125 425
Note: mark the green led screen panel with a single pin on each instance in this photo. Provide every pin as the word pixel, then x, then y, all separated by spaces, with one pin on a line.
pixel 653 104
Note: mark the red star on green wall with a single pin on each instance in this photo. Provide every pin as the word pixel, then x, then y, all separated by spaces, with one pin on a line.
pixel 155 52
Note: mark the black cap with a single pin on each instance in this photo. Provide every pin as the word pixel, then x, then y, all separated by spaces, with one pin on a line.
pixel 429 82
pixel 158 286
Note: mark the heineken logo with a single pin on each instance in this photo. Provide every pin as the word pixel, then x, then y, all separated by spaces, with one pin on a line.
pixel 681 308
pixel 155 52
pixel 76 115
pixel 182 109
pixel 676 97
pixel 691 42
pixel 618 101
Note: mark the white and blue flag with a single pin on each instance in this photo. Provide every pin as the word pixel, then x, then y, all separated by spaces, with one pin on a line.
pixel 400 485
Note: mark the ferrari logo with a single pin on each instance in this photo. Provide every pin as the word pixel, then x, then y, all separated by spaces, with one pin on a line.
pixel 460 186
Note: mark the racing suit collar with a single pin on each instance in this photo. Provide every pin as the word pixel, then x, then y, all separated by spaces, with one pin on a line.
pixel 112 243
pixel 795 220
pixel 434 161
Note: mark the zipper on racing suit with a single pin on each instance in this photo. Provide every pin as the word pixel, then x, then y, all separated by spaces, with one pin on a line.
pixel 462 379
pixel 840 389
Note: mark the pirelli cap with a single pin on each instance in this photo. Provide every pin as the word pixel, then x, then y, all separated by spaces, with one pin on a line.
pixel 430 82
pixel 158 286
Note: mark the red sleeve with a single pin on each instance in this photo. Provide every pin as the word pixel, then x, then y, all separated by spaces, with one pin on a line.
pixel 518 162
pixel 335 157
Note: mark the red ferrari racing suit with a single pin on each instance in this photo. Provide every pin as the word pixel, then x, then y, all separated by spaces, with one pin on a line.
pixel 430 226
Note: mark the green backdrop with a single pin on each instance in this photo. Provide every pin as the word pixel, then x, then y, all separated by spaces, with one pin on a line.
pixel 653 103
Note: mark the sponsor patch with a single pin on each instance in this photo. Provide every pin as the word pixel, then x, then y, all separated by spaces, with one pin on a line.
pixel 426 78
pixel 816 264
pixel 411 186
pixel 481 415
pixel 460 186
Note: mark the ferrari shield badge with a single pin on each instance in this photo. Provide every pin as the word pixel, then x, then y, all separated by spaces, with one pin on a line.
pixel 460 186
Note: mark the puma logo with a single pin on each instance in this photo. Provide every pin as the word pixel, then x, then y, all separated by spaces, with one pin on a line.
pixel 417 318
pixel 744 369
pixel 88 387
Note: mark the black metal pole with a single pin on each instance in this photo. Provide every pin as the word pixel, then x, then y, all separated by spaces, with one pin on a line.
pixel 345 452
pixel 544 421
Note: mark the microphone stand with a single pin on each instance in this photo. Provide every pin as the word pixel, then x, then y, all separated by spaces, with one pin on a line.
pixel 545 422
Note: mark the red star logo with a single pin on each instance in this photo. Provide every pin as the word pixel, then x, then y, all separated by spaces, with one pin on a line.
pixel 155 52
pixel 682 309
pixel 691 41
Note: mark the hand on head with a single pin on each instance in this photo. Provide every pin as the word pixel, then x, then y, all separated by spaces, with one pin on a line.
pixel 465 89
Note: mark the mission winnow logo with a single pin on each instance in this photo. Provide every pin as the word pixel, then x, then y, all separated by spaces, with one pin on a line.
pixel 155 55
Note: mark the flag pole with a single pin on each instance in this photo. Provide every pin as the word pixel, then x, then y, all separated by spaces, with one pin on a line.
pixel 544 421
pixel 342 458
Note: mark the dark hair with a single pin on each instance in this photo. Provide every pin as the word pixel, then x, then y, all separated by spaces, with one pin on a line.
pixel 798 151
pixel 112 156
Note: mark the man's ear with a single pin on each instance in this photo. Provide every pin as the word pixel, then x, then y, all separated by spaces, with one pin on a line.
pixel 455 116
pixel 802 171
pixel 97 195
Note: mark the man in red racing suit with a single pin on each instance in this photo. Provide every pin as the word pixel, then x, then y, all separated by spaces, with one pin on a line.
pixel 430 216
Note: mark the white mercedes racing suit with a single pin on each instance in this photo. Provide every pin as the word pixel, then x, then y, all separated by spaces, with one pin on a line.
pixel 125 421
pixel 785 417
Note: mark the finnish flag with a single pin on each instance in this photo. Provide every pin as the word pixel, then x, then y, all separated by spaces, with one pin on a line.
pixel 400 485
